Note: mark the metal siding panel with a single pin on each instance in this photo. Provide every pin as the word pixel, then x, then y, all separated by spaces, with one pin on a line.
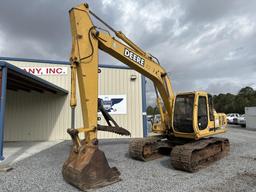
pixel 116 81
pixel 34 116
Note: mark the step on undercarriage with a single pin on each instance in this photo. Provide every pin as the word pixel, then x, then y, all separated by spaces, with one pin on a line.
pixel 190 156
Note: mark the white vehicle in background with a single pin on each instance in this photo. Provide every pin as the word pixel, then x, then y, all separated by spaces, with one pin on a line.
pixel 232 118
pixel 241 120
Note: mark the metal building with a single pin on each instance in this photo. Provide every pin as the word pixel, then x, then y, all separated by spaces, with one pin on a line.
pixel 250 117
pixel 35 106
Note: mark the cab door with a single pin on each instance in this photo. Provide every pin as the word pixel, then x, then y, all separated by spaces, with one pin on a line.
pixel 202 114
pixel 205 121
pixel 212 121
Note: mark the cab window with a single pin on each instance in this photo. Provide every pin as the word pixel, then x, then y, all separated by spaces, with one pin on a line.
pixel 202 113
pixel 183 113
pixel 210 100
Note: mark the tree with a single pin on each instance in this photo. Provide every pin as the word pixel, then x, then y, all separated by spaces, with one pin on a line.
pixel 229 103
pixel 152 110
pixel 246 91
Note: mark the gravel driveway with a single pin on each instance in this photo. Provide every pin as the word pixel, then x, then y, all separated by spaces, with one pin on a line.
pixel 236 172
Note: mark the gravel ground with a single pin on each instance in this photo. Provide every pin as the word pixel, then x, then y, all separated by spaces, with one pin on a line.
pixel 236 172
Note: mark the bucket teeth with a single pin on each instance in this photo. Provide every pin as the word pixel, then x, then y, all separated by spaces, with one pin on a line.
pixel 88 168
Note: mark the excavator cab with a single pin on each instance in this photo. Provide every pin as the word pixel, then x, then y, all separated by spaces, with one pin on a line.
pixel 193 116
pixel 189 145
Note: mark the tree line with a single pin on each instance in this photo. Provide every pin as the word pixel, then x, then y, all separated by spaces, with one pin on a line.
pixel 227 103
pixel 230 103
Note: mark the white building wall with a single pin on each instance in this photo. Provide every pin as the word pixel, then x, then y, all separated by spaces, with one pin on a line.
pixel 35 116
pixel 250 117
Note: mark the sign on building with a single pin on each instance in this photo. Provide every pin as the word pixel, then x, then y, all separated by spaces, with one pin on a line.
pixel 46 70
pixel 114 104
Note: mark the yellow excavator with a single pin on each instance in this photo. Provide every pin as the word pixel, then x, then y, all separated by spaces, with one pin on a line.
pixel 188 120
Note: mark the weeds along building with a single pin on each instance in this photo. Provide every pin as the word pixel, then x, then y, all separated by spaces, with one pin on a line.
pixel 35 100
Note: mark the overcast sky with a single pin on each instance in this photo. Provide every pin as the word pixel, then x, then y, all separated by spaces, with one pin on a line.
pixel 203 44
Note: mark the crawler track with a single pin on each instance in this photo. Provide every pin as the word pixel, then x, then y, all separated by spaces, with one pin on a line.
pixel 144 149
pixel 189 157
pixel 193 156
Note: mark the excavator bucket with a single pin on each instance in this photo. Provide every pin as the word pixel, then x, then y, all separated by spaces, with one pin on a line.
pixel 87 168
